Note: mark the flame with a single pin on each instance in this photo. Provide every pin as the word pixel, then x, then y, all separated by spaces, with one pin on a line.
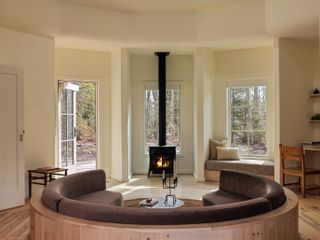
pixel 161 163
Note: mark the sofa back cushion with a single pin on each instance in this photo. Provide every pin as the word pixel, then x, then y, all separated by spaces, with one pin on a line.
pixel 252 186
pixel 73 186
pixel 242 183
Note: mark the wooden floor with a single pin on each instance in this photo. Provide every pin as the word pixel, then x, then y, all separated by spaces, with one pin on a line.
pixel 14 223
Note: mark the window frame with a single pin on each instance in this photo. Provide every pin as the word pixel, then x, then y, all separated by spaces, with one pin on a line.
pixel 152 85
pixel 249 83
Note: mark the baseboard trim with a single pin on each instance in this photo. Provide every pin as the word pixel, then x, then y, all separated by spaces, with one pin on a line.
pixel 197 178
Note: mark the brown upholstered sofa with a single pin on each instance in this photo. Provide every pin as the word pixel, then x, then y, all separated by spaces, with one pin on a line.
pixel 236 186
pixel 240 195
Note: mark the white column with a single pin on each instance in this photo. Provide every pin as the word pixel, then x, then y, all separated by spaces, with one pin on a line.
pixel 203 76
pixel 120 115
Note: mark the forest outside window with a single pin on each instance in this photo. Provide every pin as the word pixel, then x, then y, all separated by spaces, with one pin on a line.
pixel 151 117
pixel 247 111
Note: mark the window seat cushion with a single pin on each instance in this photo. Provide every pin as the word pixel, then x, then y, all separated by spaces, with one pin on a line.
pixel 261 167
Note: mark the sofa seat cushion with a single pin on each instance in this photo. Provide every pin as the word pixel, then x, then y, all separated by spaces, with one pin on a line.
pixel 103 198
pixel 222 197
pixel 261 167
pixel 154 216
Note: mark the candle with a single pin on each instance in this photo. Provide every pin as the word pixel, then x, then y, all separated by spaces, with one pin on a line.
pixel 175 169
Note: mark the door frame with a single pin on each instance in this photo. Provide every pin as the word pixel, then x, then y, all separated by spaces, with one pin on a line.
pixel 75 78
pixel 22 177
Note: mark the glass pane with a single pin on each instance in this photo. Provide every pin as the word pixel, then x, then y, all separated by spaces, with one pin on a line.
pixel 248 114
pixel 240 140
pixel 239 97
pixel 172 118
pixel 86 122
pixel 70 127
pixel 258 145
pixel 63 154
pixel 63 127
pixel 70 160
pixel 70 101
pixel 86 110
pixel 63 101
pixel 151 118
pixel 239 118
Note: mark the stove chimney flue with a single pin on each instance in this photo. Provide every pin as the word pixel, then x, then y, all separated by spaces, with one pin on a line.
pixel 162 96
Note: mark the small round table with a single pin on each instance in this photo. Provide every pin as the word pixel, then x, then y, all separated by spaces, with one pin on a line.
pixel 162 204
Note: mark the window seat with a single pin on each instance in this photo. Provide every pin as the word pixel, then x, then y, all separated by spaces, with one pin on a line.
pixel 260 167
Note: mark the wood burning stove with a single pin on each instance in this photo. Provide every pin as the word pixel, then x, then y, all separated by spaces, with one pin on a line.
pixel 162 158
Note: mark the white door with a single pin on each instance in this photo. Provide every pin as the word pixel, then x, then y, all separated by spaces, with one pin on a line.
pixel 67 125
pixel 12 190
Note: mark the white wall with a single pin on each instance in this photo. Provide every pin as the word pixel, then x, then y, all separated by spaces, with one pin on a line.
pixel 72 22
pixel 36 16
pixel 203 76
pixel 298 71
pixel 316 84
pixel 36 56
pixel 296 76
pixel 301 21
pixel 82 65
pixel 144 68
pixel 231 21
pixel 246 64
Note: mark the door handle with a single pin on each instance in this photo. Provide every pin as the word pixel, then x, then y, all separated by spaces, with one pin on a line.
pixel 21 136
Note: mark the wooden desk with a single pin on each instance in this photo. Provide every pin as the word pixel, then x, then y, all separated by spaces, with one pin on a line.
pixel 310 147
pixel 44 174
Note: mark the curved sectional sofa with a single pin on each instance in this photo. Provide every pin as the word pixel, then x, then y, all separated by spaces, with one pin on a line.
pixel 240 195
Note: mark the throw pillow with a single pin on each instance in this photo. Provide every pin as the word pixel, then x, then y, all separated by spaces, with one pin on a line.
pixel 213 147
pixel 227 153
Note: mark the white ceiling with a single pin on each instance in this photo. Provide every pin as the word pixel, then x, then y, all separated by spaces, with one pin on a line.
pixel 153 6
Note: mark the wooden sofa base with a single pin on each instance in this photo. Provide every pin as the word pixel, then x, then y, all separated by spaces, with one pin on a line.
pixel 281 223
pixel 213 176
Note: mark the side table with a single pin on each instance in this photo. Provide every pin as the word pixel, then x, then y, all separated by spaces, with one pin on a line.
pixel 46 174
pixel 162 203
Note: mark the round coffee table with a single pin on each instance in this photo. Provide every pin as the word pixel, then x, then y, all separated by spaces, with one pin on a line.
pixel 163 204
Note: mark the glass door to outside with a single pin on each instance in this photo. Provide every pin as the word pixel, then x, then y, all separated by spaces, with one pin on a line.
pixel 67 126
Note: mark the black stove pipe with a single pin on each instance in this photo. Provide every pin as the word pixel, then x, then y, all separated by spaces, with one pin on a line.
pixel 162 96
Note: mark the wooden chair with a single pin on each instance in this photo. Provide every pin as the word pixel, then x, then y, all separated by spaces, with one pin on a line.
pixel 295 154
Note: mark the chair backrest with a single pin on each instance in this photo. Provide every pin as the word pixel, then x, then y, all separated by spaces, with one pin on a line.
pixel 289 153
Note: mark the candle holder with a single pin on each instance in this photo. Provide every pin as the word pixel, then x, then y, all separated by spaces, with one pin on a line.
pixel 169 183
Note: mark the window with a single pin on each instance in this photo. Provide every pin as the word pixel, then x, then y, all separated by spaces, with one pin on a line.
pixel 247 109
pixel 151 119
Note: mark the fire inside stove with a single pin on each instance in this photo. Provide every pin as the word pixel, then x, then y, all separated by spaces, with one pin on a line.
pixel 162 163
pixel 162 158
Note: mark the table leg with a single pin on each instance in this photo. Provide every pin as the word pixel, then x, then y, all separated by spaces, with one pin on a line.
pixel 45 179
pixel 30 184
